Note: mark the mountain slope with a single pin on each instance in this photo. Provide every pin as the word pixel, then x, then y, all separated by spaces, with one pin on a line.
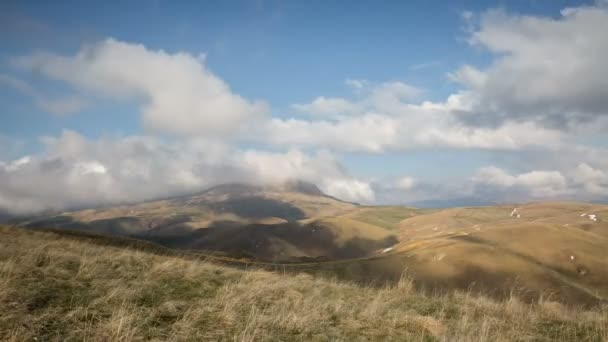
pixel 281 223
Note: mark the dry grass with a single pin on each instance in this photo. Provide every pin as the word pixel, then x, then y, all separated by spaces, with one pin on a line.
pixel 55 289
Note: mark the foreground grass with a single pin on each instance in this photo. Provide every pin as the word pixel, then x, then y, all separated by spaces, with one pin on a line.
pixel 54 288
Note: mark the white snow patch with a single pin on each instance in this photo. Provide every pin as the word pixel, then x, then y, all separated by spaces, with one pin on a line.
pixel 592 217
pixel 515 213
pixel 387 249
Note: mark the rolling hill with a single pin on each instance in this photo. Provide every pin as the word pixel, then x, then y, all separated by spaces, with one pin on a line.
pixel 290 222
pixel 555 250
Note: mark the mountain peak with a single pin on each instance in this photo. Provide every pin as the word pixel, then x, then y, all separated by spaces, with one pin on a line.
pixel 302 187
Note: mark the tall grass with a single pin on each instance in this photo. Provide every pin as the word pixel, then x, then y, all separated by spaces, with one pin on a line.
pixel 55 289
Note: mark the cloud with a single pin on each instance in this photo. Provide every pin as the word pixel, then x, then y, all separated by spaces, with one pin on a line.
pixel 327 106
pixel 76 172
pixel 176 92
pixel 492 184
pixel 549 70
pixel 405 183
pixel 533 184
pixel 383 119
pixel 593 181
pixel 179 95
pixel 58 106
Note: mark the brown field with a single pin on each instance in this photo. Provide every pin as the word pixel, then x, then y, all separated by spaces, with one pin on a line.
pixel 58 288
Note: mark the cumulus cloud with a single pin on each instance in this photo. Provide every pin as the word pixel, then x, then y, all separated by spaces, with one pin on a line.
pixel 535 184
pixel 327 106
pixel 77 172
pixel 541 95
pixel 593 181
pixel 386 121
pixel 176 91
pixel 546 69
pixel 494 185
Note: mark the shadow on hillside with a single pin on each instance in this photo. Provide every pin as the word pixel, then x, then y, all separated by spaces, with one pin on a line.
pixel 289 241
pixel 256 207
pixel 285 242
pixel 122 226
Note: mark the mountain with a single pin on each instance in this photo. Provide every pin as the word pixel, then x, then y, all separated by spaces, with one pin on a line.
pixel 554 250
pixel 288 222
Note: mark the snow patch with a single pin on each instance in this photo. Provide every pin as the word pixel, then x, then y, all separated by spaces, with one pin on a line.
pixel 387 249
pixel 592 217
pixel 515 213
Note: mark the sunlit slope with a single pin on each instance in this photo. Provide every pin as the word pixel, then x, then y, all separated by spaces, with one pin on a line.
pixel 549 247
pixel 387 217
pixel 549 250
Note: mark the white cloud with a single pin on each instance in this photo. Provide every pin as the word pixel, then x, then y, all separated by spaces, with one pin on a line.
pixel 330 106
pixel 548 75
pixel 16 164
pixel 349 189
pixel 405 183
pixel 387 121
pixel 593 181
pixel 178 94
pixel 546 69
pixel 535 184
pixel 77 172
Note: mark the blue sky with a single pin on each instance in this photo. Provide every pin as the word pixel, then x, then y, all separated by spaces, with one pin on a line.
pixel 367 95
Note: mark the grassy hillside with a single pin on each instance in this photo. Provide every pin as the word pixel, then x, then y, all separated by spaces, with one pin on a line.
pixel 551 250
pixel 551 247
pixel 54 288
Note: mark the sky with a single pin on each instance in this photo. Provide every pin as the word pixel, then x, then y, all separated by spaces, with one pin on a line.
pixel 393 102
